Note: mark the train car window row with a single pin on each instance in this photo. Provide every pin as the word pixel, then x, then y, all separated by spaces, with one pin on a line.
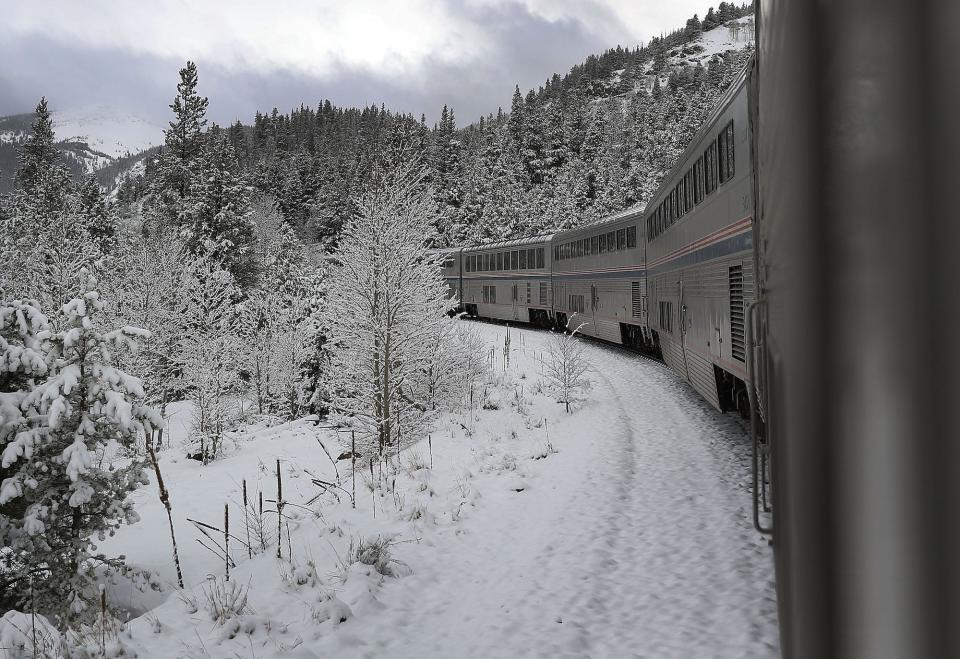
pixel 524 259
pixel 713 168
pixel 610 241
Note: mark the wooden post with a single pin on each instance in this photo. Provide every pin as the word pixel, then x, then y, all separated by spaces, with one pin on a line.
pixel 279 512
pixel 246 519
pixel 226 537
pixel 353 464
pixel 165 500
pixel 430 446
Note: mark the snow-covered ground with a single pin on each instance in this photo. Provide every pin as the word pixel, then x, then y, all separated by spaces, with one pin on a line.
pixel 621 530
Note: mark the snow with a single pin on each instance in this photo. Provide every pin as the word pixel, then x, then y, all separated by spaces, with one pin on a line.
pixel 622 529
pixel 107 130
pixel 732 35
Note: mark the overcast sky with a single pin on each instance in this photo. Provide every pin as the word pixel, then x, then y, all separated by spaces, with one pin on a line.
pixel 411 55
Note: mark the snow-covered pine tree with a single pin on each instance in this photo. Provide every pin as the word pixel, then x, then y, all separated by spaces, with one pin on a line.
pixel 184 141
pixel 216 221
pixel 69 458
pixel 386 293
pixel 91 212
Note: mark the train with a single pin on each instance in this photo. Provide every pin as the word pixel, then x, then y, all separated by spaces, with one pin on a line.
pixel 673 279
pixel 798 265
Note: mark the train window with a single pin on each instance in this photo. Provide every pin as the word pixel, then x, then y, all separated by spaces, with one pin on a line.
pixel 531 259
pixel 631 237
pixel 650 226
pixel 523 259
pixel 698 181
pixel 514 260
pixel 621 238
pixel 688 189
pixel 731 163
pixel 541 263
pixel 666 316
pixel 722 156
pixel 586 246
pixel 710 168
pixel 601 243
pixel 576 303
pixel 594 245
pixel 499 261
pixel 611 241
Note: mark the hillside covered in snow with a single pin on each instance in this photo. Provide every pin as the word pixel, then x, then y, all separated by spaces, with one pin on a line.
pixel 98 140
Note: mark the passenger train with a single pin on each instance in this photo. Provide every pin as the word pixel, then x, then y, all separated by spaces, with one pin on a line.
pixel 673 279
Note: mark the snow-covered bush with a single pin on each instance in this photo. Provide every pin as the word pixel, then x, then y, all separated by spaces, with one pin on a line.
pixel 64 482
pixel 225 599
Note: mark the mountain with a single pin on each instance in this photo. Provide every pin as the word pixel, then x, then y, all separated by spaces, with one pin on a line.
pixel 97 140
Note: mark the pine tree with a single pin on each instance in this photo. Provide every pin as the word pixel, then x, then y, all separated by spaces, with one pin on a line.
pixel 515 124
pixel 66 480
pixel 92 214
pixel 38 155
pixel 216 221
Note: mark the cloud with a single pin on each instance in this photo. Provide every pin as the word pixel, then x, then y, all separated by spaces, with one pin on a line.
pixel 412 55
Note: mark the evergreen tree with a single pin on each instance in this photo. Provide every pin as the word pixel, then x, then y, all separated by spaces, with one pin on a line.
pixel 515 124
pixel 66 482
pixel 216 221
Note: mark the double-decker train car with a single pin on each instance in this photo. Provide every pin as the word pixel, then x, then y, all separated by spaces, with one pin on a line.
pixel 599 279
pixel 699 248
pixel 509 280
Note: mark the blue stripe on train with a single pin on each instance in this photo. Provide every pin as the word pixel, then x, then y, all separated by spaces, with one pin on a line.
pixel 726 247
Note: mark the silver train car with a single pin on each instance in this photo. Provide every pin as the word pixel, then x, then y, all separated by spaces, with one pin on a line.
pixel 599 279
pixel 700 266
pixel 508 280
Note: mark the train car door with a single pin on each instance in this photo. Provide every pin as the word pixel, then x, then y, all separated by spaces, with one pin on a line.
pixel 513 302
pixel 682 317
pixel 594 303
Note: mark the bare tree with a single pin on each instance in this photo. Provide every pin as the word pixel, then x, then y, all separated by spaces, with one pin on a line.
pixel 387 310
pixel 567 365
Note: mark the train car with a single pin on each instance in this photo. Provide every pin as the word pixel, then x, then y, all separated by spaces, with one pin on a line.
pixel 508 280
pixel 599 279
pixel 700 263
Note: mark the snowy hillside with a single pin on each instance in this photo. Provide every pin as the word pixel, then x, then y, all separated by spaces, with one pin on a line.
pixel 108 131
pixel 98 140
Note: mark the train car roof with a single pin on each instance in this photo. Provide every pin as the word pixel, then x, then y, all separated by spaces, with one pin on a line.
pixel 520 242
pixel 635 210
